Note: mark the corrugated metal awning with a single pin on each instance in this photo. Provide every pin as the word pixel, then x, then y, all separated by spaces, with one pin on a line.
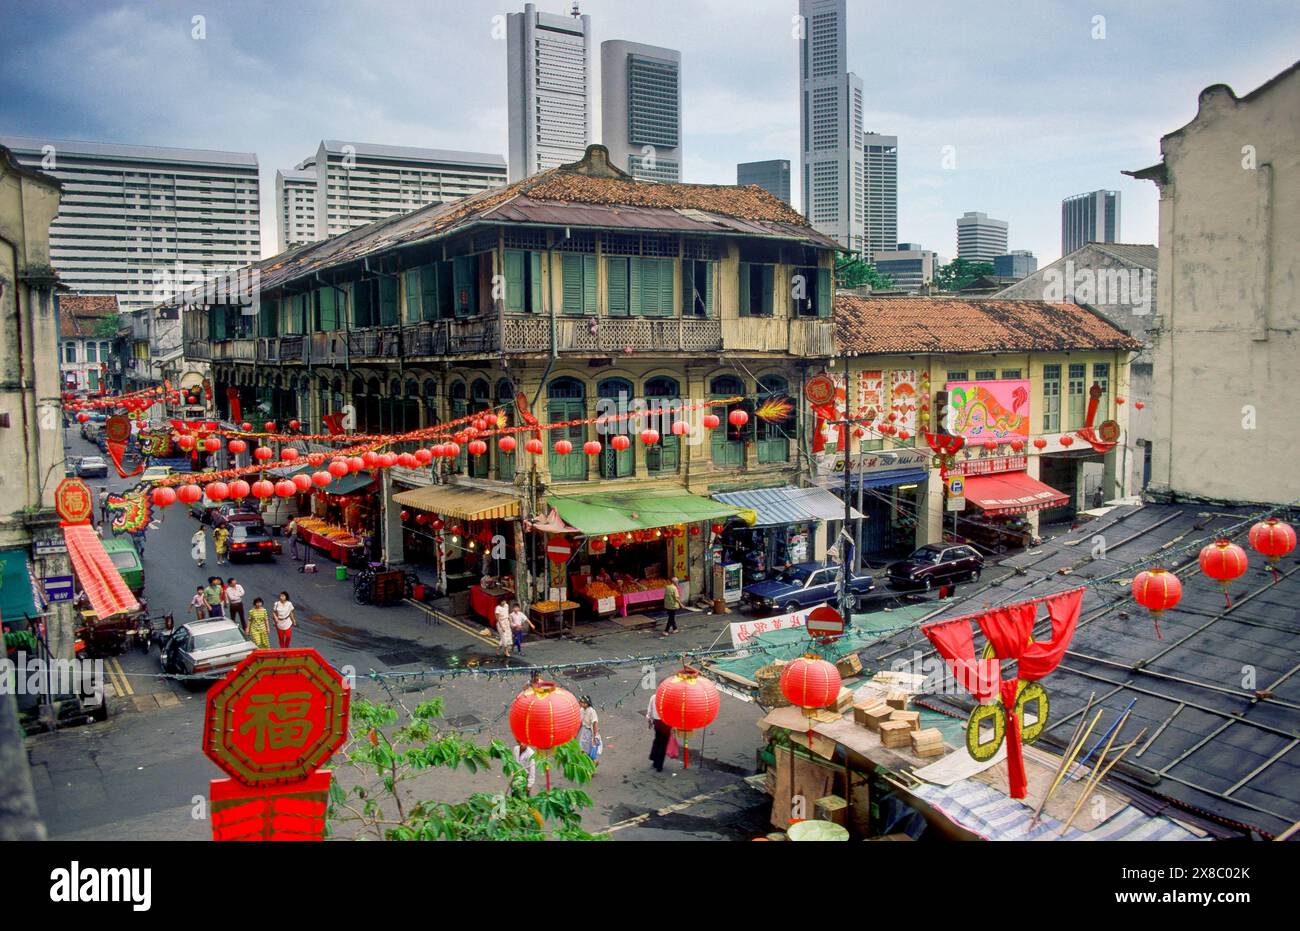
pixel 787 505
pixel 460 501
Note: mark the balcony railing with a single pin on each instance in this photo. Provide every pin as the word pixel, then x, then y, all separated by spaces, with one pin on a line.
pixel 612 334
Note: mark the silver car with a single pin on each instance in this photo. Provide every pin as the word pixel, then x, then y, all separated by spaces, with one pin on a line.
pixel 205 648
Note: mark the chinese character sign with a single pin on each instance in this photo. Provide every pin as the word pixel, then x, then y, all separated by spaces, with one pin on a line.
pixel 903 399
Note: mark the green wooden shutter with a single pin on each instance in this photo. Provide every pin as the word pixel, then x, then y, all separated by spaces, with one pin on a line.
pixel 666 287
pixel 823 292
pixel 534 287
pixel 616 281
pixel 514 269
pixel 412 288
pixel 744 289
pixel 710 269
pixel 571 269
pixel 465 284
pixel 634 286
pixel 769 274
pixel 590 300
pixel 387 301
pixel 429 292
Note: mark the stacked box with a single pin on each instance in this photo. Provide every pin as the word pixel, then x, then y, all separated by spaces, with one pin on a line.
pixel 872 717
pixel 928 742
pixel 896 700
pixel 895 734
pixel 848 665
pixel 844 701
pixel 911 718
pixel 831 808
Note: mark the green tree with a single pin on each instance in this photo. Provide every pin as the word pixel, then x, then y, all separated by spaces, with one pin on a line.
pixel 958 273
pixel 387 754
pixel 108 326
pixel 852 272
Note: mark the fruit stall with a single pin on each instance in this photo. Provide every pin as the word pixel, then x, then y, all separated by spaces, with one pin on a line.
pixel 339 543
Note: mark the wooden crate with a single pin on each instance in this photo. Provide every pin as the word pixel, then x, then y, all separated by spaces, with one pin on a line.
pixel 832 808
pixel 848 665
pixel 895 734
pixel 928 742
pixel 871 718
pixel 911 718
pixel 896 700
pixel 769 686
pixel 844 701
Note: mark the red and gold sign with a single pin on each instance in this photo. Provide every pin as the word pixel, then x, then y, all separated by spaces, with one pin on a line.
pixel 73 502
pixel 117 429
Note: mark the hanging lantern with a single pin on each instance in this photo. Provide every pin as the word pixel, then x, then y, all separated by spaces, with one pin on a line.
pixel 338 468
pixel 1223 561
pixel 370 458
pixel 1273 539
pixel 321 479
pixel 164 496
pixel 620 441
pixel 534 446
pixel 294 424
pixel 212 444
pixel 990 445
pixel 591 447
pixel 187 442
pixel 406 461
pixel 544 716
pixel 423 457
pixel 218 491
pixel 263 489
pixel 239 489
pixel 437 524
pixel 263 453
pixel 710 421
pixel 649 437
pixel 903 434
pixel 680 428
pixel 188 494
pixel 1139 405
pixel 1067 441
pixel 356 464
pixel 315 459
pixel 1119 400
pixel 687 702
pixel 269 426
pixel 1157 590
pixel 235 446
pixel 476 447
pixel 563 448
pixel 421 518
pixel 695 530
pixel 302 481
pixel 451 450
pixel 83 417
pixel 285 488
pixel 1040 443
pixel 738 418
pixel 1017 445
pixel 404 515
pixel 507 444
pixel 718 528
pixel 289 454
pixel 810 682
pixel 246 426
pixel 387 460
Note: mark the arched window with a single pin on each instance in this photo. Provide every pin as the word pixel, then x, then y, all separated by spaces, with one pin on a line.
pixel 729 442
pixel 506 401
pixel 566 400
pixel 458 408
pixel 663 395
pixel 430 397
pixel 616 399
pixel 774 435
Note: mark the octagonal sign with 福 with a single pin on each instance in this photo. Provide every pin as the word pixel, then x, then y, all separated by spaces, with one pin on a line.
pixel 276 717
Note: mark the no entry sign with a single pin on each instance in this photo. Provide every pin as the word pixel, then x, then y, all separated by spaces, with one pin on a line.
pixel 558 550
pixel 824 623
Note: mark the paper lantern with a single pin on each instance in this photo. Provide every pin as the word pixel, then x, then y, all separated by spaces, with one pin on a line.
pixel 591 448
pixel 1017 445
pixel 406 461
pixel 1272 538
pixel 269 426
pixel 187 442
pixel 738 418
pixel 423 457
pixel 451 450
pixel 188 494
pixel 246 426
pixel 680 428
pixel 687 702
pixel 263 453
pixel 620 442
pixel 476 447
pixel 83 417
pixel 338 468
pixel 437 524
pixel 1139 405
pixel 289 454
pixel 422 518
pixel 903 434
pixel 1040 443
pixel 370 458
pixel 218 491
pixel 649 437
pixel 1223 561
pixel 534 446
pixel 710 421
pixel 235 446
pixel 356 464
pixel 810 682
pixel 404 515
pixel 263 489
pixel 294 424
pixel 164 496
pixel 1157 590
pixel 387 460
pixel 990 445
pixel 695 530
pixel 321 479
pixel 544 716
pixel 239 489
pixel 718 528
pixel 302 481
pixel 212 444
pixel 507 444
pixel 1067 441
pixel 285 488
pixel 563 448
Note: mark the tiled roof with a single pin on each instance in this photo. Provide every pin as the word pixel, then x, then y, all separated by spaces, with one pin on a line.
pixel 1131 252
pixel 79 313
pixel 864 326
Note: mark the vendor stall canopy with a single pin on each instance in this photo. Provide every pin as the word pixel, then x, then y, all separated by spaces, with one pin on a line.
pixel 108 592
pixel 621 511
pixel 787 505
pixel 460 501
pixel 17 588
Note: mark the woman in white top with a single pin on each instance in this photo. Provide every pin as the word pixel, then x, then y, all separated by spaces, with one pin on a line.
pixel 199 547
pixel 524 756
pixel 501 618
pixel 589 733
pixel 285 618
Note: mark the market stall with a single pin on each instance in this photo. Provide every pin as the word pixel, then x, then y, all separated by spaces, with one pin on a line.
pixel 786 522
pixel 339 543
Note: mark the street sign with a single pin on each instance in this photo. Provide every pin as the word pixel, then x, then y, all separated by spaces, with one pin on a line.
pixel 825 624
pixel 558 550
pixel 277 716
pixel 49 547
pixel 58 587
pixel 956 492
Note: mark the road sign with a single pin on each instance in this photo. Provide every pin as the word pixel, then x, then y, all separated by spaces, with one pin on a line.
pixel 58 587
pixel 956 492
pixel 558 550
pixel 276 717
pixel 819 390
pixel 824 623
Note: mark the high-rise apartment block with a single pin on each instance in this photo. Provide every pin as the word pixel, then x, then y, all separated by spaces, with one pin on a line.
pixel 548 81
pixel 880 191
pixel 980 238
pixel 641 109
pixel 772 176
pixel 1091 217
pixel 295 205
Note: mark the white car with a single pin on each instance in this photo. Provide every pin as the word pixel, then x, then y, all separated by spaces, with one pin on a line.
pixel 205 648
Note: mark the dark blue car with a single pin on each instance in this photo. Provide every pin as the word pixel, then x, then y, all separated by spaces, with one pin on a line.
pixel 804 585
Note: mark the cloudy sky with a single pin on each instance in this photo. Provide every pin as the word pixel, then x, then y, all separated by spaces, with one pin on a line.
pixel 1036 105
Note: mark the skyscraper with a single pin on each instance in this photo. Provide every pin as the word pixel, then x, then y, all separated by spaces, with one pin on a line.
pixel 1092 217
pixel 140 222
pixel 548 82
pixel 880 170
pixel 830 124
pixel 641 109
pixel 980 238
pixel 295 205
pixel 772 176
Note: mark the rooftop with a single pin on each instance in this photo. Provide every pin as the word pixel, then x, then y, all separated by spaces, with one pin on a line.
pixel 110 151
pixel 413 154
pixel 79 313
pixel 869 325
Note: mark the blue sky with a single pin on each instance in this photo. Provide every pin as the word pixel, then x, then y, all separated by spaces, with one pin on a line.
pixel 1035 107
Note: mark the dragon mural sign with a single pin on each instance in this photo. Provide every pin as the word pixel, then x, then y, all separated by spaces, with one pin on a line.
pixel 989 410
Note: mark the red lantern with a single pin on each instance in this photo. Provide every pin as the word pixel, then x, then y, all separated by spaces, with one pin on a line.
pixel 1040 443
pixel 650 437
pixel 990 445
pixel 83 417
pixel 356 464
pixel 695 530
pixel 269 426
pixel 534 446
pixel 451 450
pixel 294 424
pixel 423 456
pixel 235 446
pixel 289 454
pixel 239 489
pixel 563 448
pixel 218 491
pixel 212 444
pixel 338 468
pixel 188 494
pixel 421 518
pixel 903 434
pixel 263 453
pixel 1157 590
pixel 710 421
pixel 717 529
pixel 315 459
pixel 476 447
pixel 591 448
pixel 285 488
pixel 738 418
pixel 810 682
pixel 302 481
pixel 1223 561
pixel 406 461
pixel 1067 441
pixel 620 442
pixel 544 716
pixel 187 442
pixel 1139 405
pixel 437 524
pixel 680 428
pixel 263 489
pixel 404 515
pixel 1119 400
pixel 164 496
pixel 687 702
pixel 321 479
pixel 507 444
pixel 387 460
pixel 1017 445
pixel 1273 539
pixel 246 426
pixel 370 458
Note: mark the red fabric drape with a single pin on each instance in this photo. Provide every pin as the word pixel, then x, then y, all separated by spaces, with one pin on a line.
pixel 955 642
pixel 115 452
pixel 232 398
pixel 1015 753
pixel 1009 628
pixel 1042 657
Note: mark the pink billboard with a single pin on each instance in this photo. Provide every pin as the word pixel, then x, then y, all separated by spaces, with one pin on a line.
pixel 989 410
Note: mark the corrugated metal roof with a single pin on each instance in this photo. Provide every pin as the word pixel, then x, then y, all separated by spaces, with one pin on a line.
pixel 787 505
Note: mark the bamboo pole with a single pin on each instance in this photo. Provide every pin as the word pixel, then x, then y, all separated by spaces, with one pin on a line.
pixel 1097 776
pixel 1067 760
pixel 1060 769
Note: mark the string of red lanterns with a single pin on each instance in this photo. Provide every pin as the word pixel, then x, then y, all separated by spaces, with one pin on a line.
pixel 687 702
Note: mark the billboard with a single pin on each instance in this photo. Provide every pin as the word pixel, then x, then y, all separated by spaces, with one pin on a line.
pixel 989 410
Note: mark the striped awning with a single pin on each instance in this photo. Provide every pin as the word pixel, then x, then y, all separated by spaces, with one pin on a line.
pixel 787 505
pixel 460 501
pixel 99 578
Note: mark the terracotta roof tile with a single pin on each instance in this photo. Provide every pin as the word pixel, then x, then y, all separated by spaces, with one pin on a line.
pixel 78 313
pixel 864 326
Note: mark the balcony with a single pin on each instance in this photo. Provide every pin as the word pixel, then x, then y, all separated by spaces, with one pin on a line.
pixel 611 335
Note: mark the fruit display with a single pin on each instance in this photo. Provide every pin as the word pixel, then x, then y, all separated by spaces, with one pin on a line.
pixel 600 590
pixel 331 532
pixel 550 607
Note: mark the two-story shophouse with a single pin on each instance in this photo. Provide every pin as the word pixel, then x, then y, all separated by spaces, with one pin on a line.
pixel 1037 392
pixel 575 294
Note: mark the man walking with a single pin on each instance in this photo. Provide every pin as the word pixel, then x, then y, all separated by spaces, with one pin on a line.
pixel 292 531
pixel 235 603
pixel 212 595
pixel 672 601
pixel 518 622
pixel 103 503
pixel 659 748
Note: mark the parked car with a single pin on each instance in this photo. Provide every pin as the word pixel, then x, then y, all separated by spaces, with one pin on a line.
pixel 251 541
pixel 217 513
pixel 204 648
pixel 129 565
pixel 803 585
pixel 156 474
pixel 998 534
pixel 936 564
pixel 92 467
pixel 92 427
pixel 230 515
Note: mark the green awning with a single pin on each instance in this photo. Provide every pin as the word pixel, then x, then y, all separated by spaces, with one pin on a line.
pixel 17 596
pixel 347 484
pixel 619 511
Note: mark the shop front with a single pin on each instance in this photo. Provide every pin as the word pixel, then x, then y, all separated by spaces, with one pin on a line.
pixel 999 493
pixel 786 528
pixel 1075 473
pixel 888 487
pixel 342 520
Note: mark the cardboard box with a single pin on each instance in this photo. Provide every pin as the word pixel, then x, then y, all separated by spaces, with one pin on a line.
pixel 895 734
pixel 832 808
pixel 871 718
pixel 844 701
pixel 928 742
pixel 896 700
pixel 911 718
pixel 848 665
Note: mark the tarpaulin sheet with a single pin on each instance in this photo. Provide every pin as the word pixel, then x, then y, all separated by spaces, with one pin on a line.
pixel 99 578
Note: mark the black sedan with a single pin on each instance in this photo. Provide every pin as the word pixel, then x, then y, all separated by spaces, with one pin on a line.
pixel 936 564
pixel 250 541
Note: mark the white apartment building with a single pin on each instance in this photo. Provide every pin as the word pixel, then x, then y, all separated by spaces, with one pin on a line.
pixel 358 182
pixel 880 192
pixel 136 222
pixel 641 109
pixel 980 238
pixel 830 124
pixel 295 205
pixel 548 82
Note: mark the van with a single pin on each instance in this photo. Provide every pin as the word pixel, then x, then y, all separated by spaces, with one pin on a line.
pixel 128 562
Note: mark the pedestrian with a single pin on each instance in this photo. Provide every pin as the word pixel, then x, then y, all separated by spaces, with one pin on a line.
pixel 221 543
pixel 199 604
pixel 103 503
pixel 284 619
pixel 505 638
pixel 235 602
pixel 292 532
pixel 672 601
pixel 518 622
pixel 213 595
pixel 659 748
pixel 199 547
pixel 589 732
pixel 259 625
pixel 524 782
